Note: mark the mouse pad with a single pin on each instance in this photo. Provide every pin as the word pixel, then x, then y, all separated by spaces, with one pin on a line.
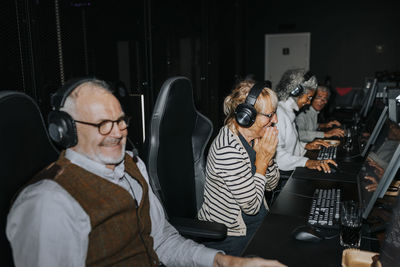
pixel 274 240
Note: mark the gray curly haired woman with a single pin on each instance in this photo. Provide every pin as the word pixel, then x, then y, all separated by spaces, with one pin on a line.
pixel 295 90
pixel 292 79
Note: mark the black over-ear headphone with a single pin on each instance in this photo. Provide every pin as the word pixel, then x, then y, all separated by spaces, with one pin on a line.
pixel 245 113
pixel 62 129
pixel 300 89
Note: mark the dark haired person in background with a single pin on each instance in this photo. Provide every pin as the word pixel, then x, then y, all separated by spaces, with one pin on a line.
pixel 290 151
pixel 94 205
pixel 307 119
pixel 240 167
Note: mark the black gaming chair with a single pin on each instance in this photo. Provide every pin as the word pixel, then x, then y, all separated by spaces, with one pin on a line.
pixel 25 150
pixel 175 158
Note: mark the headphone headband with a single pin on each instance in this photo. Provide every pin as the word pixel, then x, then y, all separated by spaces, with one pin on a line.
pixel 307 76
pixel 58 98
pixel 255 91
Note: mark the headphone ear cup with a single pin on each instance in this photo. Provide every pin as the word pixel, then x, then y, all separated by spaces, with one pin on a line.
pixel 245 115
pixel 297 91
pixel 62 129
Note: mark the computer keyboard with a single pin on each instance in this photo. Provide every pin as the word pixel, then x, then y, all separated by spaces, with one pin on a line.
pixel 327 153
pixel 324 210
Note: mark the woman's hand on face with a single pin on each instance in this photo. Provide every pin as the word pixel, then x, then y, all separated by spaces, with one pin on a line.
pixel 265 148
pixel 317 144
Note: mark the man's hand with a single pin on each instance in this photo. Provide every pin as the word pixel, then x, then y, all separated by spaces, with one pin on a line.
pixel 334 132
pixel 333 123
pixel 330 124
pixel 222 260
pixel 316 144
pixel 265 148
pixel 321 165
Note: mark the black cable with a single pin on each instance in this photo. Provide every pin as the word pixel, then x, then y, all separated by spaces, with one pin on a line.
pixel 370 238
pixel 138 219
pixel 300 195
pixel 330 237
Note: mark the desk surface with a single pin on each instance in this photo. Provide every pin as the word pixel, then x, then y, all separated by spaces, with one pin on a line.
pixel 273 239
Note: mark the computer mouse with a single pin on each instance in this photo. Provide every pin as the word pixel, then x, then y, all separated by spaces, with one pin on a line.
pixel 334 168
pixel 307 233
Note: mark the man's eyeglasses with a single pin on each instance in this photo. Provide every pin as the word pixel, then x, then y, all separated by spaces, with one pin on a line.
pixel 269 116
pixel 105 127
pixel 321 98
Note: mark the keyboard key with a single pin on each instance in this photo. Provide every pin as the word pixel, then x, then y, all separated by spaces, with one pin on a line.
pixel 324 210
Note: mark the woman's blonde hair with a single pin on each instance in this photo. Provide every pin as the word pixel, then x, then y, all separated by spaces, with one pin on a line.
pixel 238 96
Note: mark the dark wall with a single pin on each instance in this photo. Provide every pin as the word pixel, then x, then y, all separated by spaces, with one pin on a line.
pixel 344 36
pixel 214 43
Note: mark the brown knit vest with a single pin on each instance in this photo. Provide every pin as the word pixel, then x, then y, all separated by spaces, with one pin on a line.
pixel 118 236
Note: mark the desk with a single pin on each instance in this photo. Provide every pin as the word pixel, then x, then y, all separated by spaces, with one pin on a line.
pixel 273 239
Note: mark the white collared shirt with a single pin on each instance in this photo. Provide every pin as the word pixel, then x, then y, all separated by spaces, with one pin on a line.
pixel 307 123
pixel 290 151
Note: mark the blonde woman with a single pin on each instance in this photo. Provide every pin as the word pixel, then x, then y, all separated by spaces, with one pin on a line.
pixel 241 165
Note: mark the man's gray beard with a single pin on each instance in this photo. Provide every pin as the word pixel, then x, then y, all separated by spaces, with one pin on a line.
pixel 110 160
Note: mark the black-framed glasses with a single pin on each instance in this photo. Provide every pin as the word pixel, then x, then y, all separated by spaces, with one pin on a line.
pixel 105 127
pixel 270 115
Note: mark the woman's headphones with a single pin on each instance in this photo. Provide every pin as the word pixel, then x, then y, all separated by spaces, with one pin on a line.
pixel 299 90
pixel 62 128
pixel 245 113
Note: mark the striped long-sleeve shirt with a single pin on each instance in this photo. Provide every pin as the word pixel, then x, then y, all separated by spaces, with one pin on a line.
pixel 230 187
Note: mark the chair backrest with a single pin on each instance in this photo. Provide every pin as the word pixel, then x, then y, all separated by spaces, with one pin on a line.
pixel 175 158
pixel 25 149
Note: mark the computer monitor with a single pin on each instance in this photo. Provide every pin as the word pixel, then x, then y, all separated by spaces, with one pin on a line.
pixel 377 128
pixel 369 98
pixel 365 91
pixel 394 104
pixel 379 169
pixel 381 86
pixel 390 252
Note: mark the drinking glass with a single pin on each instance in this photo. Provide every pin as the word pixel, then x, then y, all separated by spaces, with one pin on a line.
pixel 350 224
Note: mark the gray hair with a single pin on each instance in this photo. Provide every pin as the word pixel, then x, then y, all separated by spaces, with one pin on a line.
pixel 323 88
pixel 70 106
pixel 292 79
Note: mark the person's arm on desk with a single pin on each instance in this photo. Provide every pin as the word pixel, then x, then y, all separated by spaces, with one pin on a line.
pixel 222 260
pixel 314 145
pixel 334 132
pixel 329 124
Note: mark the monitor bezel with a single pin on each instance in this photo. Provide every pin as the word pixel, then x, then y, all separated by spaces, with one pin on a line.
pixel 384 182
pixel 371 96
pixel 376 131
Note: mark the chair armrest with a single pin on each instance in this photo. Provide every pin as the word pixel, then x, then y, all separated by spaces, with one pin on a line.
pixel 199 229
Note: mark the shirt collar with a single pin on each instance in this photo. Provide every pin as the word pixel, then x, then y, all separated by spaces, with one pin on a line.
pixel 313 109
pixel 95 167
pixel 292 103
pixel 290 106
